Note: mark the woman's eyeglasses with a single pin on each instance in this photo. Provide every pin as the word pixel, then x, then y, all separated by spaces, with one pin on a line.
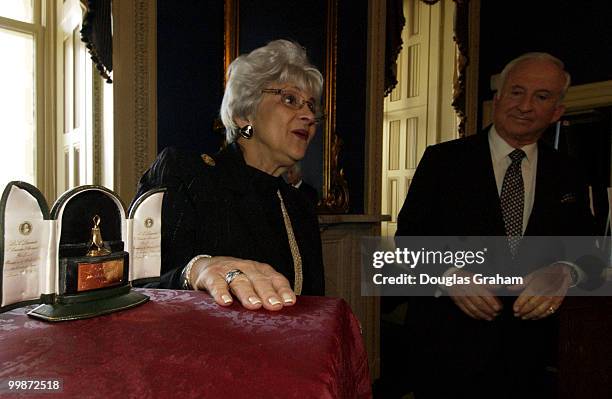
pixel 295 101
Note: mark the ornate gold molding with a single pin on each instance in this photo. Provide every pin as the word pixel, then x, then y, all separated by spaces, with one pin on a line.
pixel 141 88
pixel 335 188
pixel 231 34
pixel 134 92
pixel 97 132
pixel 374 108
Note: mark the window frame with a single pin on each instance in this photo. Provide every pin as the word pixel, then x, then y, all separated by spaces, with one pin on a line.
pixel 37 30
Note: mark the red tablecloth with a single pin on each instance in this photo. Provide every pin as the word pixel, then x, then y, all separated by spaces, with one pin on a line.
pixel 182 344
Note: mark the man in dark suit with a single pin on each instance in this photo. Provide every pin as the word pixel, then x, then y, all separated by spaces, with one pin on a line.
pixel 473 342
pixel 294 177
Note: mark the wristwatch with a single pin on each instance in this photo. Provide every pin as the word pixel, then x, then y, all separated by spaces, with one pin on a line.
pixel 573 276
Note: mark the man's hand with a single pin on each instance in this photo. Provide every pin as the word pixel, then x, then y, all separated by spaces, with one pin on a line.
pixel 258 285
pixel 543 292
pixel 475 300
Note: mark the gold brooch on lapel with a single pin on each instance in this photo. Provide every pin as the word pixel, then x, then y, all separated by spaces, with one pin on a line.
pixel 568 198
pixel 208 160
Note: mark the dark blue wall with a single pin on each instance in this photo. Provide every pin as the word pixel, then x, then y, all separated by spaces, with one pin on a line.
pixel 351 94
pixel 189 73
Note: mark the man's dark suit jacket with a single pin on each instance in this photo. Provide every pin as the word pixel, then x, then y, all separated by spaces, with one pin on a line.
pixel 220 206
pixel 454 193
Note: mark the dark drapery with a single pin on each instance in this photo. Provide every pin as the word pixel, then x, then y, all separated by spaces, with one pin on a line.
pixel 97 35
pixel 461 37
pixel 395 25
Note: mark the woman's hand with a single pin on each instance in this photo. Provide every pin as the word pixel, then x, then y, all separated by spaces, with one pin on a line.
pixel 258 285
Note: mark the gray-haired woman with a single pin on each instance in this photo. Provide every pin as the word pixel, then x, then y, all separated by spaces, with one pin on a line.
pixel 230 224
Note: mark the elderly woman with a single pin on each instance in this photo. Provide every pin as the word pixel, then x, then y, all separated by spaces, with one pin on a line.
pixel 230 224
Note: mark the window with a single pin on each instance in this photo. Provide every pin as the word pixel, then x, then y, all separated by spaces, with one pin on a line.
pixel 419 111
pixel 55 110
pixel 20 98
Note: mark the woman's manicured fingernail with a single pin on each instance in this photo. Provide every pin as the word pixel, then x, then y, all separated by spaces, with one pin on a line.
pixel 254 300
pixel 287 298
pixel 274 301
pixel 226 298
